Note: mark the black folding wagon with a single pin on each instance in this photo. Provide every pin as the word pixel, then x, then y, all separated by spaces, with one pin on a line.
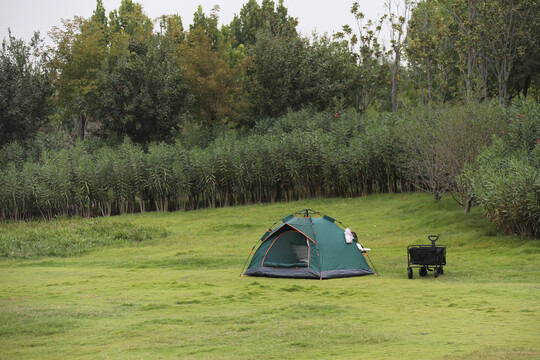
pixel 426 258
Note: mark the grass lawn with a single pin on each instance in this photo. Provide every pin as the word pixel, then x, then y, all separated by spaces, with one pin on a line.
pixel 175 291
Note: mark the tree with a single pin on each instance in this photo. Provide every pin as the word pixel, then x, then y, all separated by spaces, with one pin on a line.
pixel 290 73
pixel 397 17
pixel 271 79
pixel 143 95
pixel 213 83
pixel 466 16
pixel 25 89
pixel 525 77
pixel 327 80
pixel 81 47
pixel 367 64
pixel 437 143
pixel 274 74
pixel 430 51
pixel 208 24
pixel 491 37
pixel 171 29
pixel 245 26
pixel 99 16
pixel 506 25
pixel 131 19
pixel 266 17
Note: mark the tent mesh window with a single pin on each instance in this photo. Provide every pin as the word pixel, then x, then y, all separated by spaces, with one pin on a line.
pixel 290 249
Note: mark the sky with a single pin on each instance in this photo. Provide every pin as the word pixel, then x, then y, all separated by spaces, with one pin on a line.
pixel 24 17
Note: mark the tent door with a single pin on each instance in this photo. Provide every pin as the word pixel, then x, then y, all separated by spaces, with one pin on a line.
pixel 289 249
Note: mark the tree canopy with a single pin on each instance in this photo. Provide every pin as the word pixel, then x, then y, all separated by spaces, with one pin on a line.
pixel 120 73
pixel 25 89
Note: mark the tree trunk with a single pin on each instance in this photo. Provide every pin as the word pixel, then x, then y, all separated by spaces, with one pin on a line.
pixel 467 206
pixel 357 102
pixel 421 85
pixel 81 126
pixel 503 82
pixel 429 81
pixel 141 205
pixel 526 85
pixel 395 79
pixel 469 73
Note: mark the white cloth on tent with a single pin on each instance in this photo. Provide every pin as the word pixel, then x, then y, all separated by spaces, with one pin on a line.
pixel 348 236
pixel 361 248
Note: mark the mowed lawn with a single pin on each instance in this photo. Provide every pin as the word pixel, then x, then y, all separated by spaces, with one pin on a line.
pixel 178 295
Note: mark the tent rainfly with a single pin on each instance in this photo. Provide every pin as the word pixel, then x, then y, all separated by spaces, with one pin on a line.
pixel 308 244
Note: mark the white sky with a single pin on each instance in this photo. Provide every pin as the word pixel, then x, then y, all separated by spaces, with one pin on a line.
pixel 26 16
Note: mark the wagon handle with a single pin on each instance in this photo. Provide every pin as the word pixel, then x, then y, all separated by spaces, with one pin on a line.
pixel 433 238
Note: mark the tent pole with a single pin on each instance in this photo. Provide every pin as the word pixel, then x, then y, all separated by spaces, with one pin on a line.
pixel 316 246
pixel 253 248
pixel 245 263
pixel 372 264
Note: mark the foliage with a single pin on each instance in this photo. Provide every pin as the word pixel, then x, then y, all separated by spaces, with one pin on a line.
pixel 367 68
pixel 129 18
pixel 214 84
pixel 266 17
pixel 25 88
pixel 431 52
pixel 292 73
pixel 301 154
pixel 81 46
pixel 142 94
pixel 506 178
pixel 305 154
pixel 114 75
pixel 438 142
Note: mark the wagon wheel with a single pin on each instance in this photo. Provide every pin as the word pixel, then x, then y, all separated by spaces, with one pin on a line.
pixel 441 271
pixel 436 272
pixel 409 273
pixel 422 271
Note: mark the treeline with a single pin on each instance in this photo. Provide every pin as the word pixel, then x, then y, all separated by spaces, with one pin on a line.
pixel 121 73
pixel 304 154
pixel 299 155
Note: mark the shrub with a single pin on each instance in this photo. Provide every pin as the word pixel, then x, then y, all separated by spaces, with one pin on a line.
pixel 506 178
pixel 436 143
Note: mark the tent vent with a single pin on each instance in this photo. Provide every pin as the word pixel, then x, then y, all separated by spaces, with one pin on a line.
pixel 329 218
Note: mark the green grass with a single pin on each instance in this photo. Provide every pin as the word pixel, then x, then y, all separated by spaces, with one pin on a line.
pixel 66 237
pixel 176 293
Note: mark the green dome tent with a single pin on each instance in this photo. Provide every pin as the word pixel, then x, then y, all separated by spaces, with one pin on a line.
pixel 307 244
